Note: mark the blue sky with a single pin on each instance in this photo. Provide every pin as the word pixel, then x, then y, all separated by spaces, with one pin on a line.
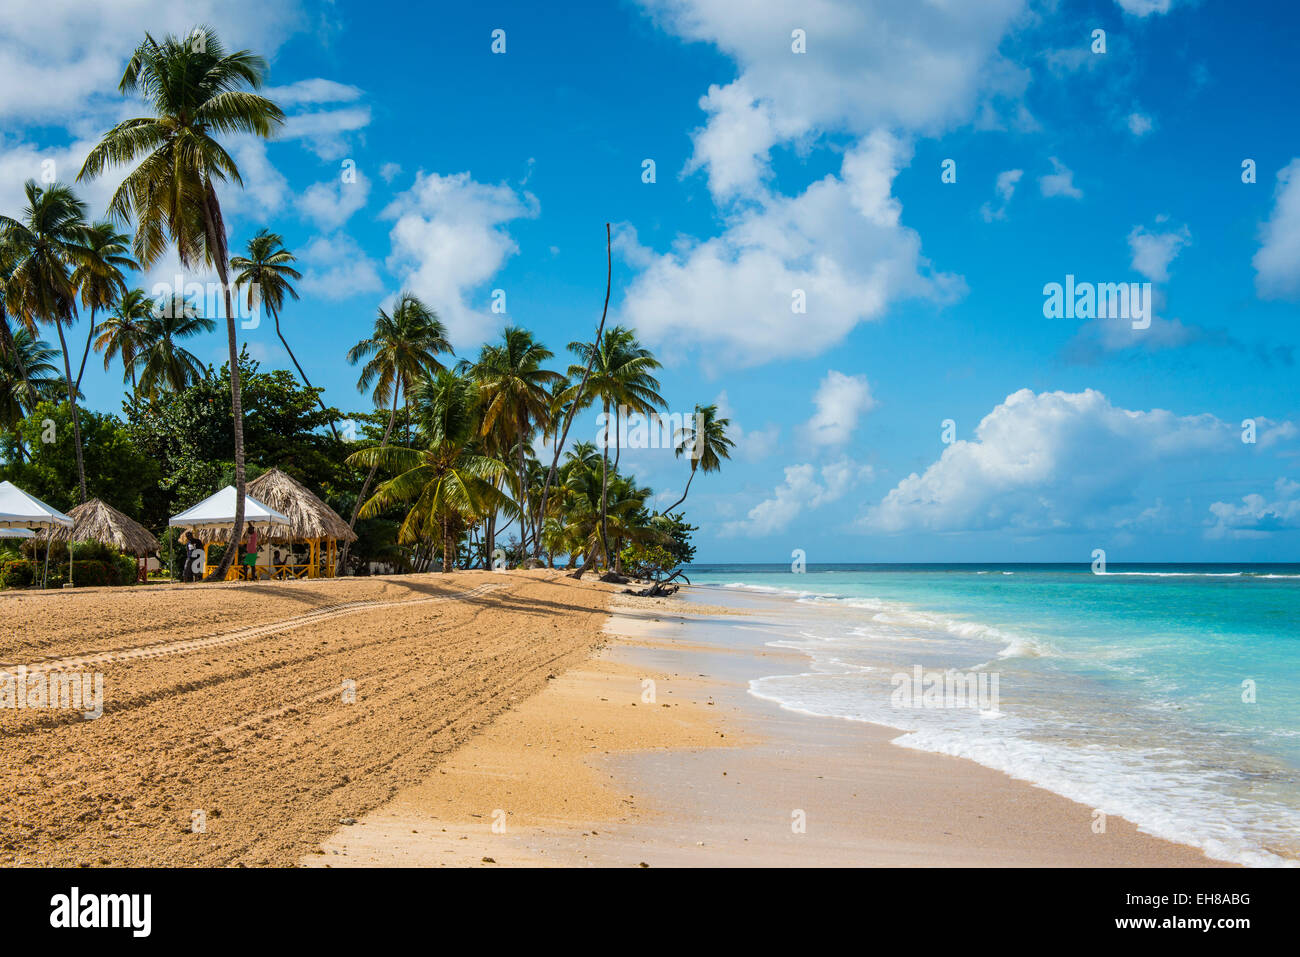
pixel 778 171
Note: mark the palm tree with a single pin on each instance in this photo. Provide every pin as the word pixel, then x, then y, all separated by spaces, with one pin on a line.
pixel 706 440
pixel 27 375
pixel 9 257
pixel 122 333
pixel 402 349
pixel 620 377
pixel 448 483
pixel 99 278
pixel 51 241
pixel 268 274
pixel 194 90
pixel 516 401
pixel 160 361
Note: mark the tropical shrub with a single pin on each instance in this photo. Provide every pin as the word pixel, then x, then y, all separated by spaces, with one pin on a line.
pixel 17 573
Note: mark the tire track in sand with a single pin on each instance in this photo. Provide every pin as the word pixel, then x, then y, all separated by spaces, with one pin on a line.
pixel 185 646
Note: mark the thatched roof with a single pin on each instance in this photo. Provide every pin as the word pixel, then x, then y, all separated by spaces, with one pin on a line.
pixel 98 522
pixel 310 517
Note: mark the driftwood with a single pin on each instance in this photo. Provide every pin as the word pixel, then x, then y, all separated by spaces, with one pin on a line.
pixel 615 578
pixel 660 589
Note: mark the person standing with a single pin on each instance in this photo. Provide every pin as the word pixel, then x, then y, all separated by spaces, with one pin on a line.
pixel 250 552
pixel 187 567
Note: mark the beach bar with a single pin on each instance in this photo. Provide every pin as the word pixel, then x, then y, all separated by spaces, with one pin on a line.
pixel 313 525
pixel 212 518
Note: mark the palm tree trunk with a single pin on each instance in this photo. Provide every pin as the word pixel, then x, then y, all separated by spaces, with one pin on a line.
pixel 684 494
pixel 577 400
pixel 303 375
pixel 216 242
pixel 524 518
pixel 604 489
pixel 72 401
pixel 86 352
pixel 446 545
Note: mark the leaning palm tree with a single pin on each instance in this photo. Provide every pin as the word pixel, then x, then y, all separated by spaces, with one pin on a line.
pixel 516 402
pixel 268 275
pixel 160 361
pixel 122 332
pixel 51 242
pixel 27 376
pixel 620 378
pixel 403 348
pixel 98 277
pixel 194 90
pixel 447 484
pixel 705 439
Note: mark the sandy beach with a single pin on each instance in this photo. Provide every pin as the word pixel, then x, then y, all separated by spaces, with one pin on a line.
pixel 226 736
pixel 652 753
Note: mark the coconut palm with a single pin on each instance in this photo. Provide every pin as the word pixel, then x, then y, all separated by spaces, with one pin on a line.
pixel 122 332
pixel 402 349
pixel 160 361
pixel 516 402
pixel 705 439
pixel 9 256
pixel 620 377
pixel 27 376
pixel 98 277
pixel 447 485
pixel 50 241
pixel 268 275
pixel 194 90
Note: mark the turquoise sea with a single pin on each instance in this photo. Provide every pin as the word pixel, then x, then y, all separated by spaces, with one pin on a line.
pixel 1167 694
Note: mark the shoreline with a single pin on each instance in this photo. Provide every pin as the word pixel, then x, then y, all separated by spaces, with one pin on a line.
pixel 589 773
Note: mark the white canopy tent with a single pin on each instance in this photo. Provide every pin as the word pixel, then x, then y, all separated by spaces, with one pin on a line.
pixel 219 510
pixel 26 514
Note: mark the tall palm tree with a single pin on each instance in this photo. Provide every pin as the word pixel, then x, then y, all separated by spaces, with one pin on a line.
pixel 268 275
pixel 122 333
pixel 27 375
pixel 620 378
pixel 447 483
pixel 99 278
pixel 9 257
pixel 516 401
pixel 194 90
pixel 51 240
pixel 706 441
pixel 160 361
pixel 403 348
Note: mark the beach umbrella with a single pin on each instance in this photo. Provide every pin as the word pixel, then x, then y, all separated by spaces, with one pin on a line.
pixel 24 512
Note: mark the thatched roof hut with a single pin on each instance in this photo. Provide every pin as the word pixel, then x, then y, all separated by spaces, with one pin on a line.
pixel 99 522
pixel 309 517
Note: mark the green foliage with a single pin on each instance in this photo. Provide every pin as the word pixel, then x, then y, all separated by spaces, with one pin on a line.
pixel 679 537
pixel 648 561
pixel 117 470
pixel 190 434
pixel 17 573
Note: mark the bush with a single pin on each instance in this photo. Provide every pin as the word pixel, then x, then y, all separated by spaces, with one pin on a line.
pixel 117 570
pixel 17 573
